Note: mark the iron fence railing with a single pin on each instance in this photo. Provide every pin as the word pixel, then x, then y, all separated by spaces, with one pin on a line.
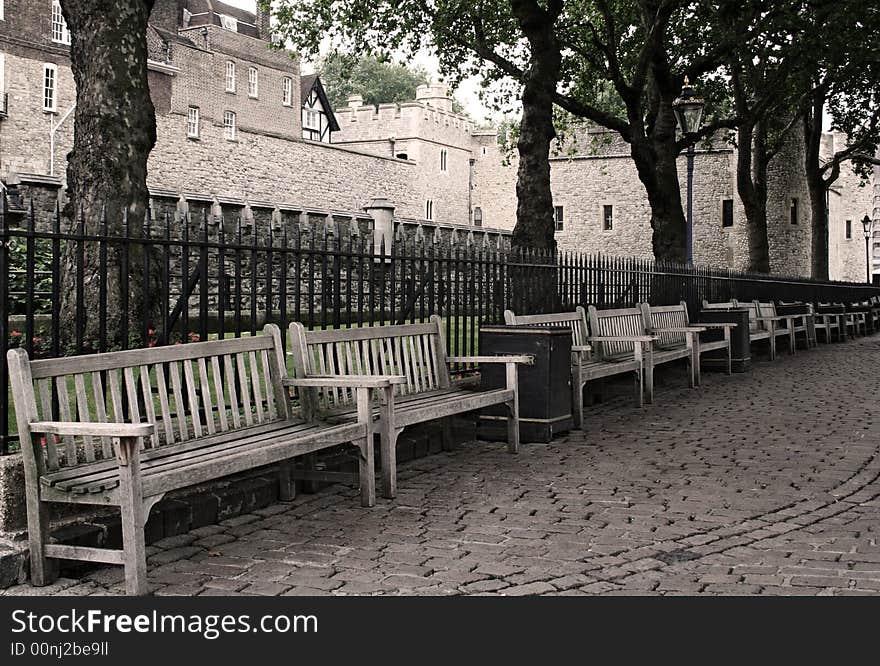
pixel 181 279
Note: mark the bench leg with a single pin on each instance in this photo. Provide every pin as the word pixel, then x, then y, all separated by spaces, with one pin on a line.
pixel 729 358
pixel 695 364
pixel 286 484
pixel 577 395
pixel 388 451
pixel 772 345
pixel 649 383
pixel 367 468
pixel 133 519
pixel 367 458
pixel 792 343
pixel 448 439
pixel 43 570
pixel 388 443
pixel 511 375
pixel 309 464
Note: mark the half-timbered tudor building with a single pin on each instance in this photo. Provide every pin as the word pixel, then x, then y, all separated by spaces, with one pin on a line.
pixel 318 119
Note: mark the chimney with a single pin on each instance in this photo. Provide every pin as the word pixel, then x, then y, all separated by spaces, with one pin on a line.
pixel 263 23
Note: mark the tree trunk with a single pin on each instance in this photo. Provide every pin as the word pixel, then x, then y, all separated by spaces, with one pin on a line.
pixel 816 184
pixel 658 171
pixel 114 132
pixel 535 289
pixel 751 183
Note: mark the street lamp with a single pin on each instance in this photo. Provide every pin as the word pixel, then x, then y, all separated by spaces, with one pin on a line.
pixel 689 113
pixel 868 225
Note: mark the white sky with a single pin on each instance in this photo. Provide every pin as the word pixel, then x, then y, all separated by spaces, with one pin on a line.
pixel 467 92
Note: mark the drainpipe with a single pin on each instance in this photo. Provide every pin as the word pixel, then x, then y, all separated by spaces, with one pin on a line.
pixel 471 162
pixel 53 127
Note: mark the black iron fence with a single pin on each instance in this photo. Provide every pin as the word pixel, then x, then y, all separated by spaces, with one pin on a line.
pixel 197 279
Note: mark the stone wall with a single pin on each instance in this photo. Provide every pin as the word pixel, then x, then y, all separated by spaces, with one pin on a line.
pixel 494 182
pixel 263 167
pixel 790 244
pixel 849 199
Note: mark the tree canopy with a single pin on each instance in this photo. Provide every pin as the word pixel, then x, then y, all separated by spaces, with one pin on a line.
pixel 377 79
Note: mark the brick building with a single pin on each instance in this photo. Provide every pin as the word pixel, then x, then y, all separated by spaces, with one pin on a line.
pixel 238 124
pixel 229 113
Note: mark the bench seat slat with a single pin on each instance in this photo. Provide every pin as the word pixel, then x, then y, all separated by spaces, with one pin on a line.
pixel 211 452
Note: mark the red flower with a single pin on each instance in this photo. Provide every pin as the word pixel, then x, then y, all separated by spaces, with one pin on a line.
pixel 150 332
pixel 36 340
pixel 16 334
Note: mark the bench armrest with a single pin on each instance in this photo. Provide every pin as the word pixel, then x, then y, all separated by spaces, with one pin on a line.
pixel 89 429
pixel 718 324
pixel 345 381
pixel 624 338
pixel 679 329
pixel 523 359
pixel 580 349
pixel 776 318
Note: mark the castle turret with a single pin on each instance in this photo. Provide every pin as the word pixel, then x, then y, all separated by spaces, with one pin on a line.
pixel 434 94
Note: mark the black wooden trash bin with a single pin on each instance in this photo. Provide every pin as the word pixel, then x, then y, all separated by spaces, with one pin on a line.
pixel 544 387
pixel 740 343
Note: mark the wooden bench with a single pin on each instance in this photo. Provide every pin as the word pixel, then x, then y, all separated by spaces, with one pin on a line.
pixel 425 392
pixel 619 337
pixel 804 321
pixel 675 330
pixel 585 365
pixel 830 318
pixel 856 319
pixel 124 428
pixel 676 339
pixel 759 329
pixel 767 313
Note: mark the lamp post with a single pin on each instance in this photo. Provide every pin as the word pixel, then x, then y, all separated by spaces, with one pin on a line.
pixel 689 114
pixel 868 225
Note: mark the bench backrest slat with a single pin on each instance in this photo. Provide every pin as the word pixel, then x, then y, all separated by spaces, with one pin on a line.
pixel 415 351
pixel 615 323
pixel 187 391
pixel 576 320
pixel 667 316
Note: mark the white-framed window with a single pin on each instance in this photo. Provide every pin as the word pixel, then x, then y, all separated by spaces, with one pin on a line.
pixel 287 91
pixel 559 217
pixel 312 119
pixel 429 209
pixel 50 87
pixel 444 157
pixel 229 128
pixel 192 123
pixel 848 232
pixel 230 76
pixel 253 82
pixel 60 33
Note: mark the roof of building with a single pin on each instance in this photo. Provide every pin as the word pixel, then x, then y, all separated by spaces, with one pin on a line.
pixel 307 82
pixel 205 12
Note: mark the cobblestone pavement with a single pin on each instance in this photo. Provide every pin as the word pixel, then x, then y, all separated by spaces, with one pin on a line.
pixel 760 483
